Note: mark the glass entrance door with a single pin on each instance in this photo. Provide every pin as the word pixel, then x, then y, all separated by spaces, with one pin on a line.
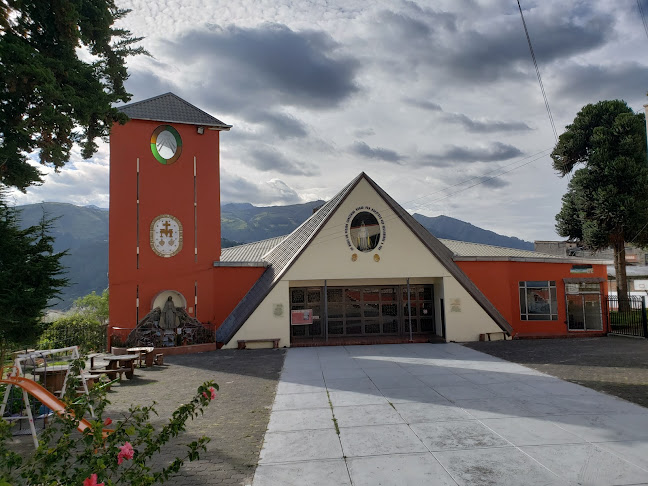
pixel 584 312
pixel 364 311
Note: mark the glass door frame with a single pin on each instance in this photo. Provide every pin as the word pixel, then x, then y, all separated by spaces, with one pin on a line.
pixel 582 293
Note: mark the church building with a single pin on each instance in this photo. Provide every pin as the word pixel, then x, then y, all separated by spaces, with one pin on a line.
pixel 361 269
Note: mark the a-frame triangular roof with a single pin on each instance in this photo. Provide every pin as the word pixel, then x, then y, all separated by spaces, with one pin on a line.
pixel 288 251
pixel 171 108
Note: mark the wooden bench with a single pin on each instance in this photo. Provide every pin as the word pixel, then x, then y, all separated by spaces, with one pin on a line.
pixel 243 342
pixel 487 335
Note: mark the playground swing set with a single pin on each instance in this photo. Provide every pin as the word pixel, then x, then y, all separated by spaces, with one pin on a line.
pixel 52 367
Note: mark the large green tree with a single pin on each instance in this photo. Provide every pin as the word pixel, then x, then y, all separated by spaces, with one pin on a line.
pixel 606 204
pixel 31 275
pixel 62 67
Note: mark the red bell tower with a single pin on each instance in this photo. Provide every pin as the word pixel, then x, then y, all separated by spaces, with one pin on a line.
pixel 164 210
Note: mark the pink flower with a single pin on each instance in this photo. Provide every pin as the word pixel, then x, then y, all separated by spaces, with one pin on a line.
pixel 125 452
pixel 92 481
pixel 108 421
pixel 212 395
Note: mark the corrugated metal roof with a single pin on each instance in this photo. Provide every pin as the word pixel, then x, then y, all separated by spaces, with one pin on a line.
pixel 171 108
pixel 250 252
pixel 466 249
pixel 254 252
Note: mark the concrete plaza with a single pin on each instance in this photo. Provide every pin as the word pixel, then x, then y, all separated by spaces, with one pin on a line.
pixel 443 414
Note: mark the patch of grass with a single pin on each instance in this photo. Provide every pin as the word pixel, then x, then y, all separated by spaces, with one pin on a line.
pixel 335 422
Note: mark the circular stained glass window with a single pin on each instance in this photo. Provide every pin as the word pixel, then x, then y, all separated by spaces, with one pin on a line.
pixel 166 144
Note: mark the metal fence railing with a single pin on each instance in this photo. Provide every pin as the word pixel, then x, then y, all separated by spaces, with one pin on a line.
pixel 86 337
pixel 627 317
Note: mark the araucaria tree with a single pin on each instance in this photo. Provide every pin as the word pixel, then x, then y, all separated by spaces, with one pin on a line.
pixel 606 204
pixel 62 66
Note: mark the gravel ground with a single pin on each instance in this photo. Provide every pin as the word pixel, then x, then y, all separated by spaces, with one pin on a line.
pixel 613 365
pixel 236 421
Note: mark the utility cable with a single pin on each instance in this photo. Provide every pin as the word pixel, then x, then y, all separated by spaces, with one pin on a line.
pixel 535 63
pixel 643 17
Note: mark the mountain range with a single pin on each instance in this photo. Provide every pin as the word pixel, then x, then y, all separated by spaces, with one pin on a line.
pixel 83 230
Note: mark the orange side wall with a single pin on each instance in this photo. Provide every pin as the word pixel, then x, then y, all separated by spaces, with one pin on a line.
pixel 163 189
pixel 499 281
pixel 230 286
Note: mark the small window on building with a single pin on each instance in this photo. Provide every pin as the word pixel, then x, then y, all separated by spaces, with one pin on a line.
pixel 538 301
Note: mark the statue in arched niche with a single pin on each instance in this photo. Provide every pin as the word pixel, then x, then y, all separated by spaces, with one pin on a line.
pixel 169 315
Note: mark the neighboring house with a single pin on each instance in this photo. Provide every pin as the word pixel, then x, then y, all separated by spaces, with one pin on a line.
pixel 361 269
pixel 637 277
pixel 636 263
pixel 634 255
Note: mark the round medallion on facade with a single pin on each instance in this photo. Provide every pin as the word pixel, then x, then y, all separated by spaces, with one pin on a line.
pixel 166 235
pixel 166 144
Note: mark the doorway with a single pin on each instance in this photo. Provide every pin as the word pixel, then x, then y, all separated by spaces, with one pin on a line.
pixel 584 310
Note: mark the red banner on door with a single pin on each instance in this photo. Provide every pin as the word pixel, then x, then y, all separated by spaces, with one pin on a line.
pixel 301 317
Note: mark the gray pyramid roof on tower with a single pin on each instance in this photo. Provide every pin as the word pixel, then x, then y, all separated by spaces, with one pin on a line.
pixel 171 108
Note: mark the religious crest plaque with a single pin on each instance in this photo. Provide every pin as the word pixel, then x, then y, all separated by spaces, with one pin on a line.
pixel 166 235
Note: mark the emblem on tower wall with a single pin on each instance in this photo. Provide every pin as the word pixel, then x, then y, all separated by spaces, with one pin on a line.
pixel 166 235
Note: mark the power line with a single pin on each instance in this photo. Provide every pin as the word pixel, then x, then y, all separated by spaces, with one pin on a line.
pixel 643 17
pixel 544 95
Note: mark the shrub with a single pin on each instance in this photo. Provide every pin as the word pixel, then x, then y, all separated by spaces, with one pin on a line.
pixel 74 330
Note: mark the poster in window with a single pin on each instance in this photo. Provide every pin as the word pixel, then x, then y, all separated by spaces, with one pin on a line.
pixel 301 317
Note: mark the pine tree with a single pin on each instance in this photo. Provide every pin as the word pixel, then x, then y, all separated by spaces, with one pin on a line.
pixel 30 278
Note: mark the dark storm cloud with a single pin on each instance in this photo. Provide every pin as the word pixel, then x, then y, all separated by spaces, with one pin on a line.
pixel 497 151
pixel 145 84
pixel 279 124
pixel 270 159
pixel 489 52
pixel 475 126
pixel 364 132
pixel 488 126
pixel 268 65
pixel 423 104
pixel 589 84
pixel 364 150
pixel 490 56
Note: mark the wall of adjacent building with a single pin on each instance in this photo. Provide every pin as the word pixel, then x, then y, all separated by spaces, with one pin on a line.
pixel 499 281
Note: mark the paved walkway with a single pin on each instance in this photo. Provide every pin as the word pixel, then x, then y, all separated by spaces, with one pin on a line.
pixel 614 365
pixel 443 414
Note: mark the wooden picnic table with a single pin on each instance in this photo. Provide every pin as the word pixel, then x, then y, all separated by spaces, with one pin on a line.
pixel 52 377
pixel 121 363
pixel 145 354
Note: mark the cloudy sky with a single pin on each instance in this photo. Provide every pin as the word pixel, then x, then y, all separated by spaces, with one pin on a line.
pixel 437 101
